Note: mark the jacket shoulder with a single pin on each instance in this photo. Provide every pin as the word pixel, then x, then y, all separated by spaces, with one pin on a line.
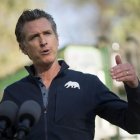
pixel 18 83
pixel 83 75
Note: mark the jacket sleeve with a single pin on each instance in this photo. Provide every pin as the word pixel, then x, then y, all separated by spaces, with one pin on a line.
pixel 119 112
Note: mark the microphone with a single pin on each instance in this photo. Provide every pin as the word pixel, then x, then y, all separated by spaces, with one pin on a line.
pixel 29 114
pixel 8 112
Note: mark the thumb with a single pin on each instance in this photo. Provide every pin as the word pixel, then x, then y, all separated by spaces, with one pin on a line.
pixel 118 60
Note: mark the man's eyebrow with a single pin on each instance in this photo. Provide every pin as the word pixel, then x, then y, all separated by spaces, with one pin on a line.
pixel 48 30
pixel 33 35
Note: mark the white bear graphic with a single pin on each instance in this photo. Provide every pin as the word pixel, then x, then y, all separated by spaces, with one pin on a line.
pixel 72 84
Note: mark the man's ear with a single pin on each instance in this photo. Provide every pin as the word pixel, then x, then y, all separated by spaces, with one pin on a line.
pixel 23 48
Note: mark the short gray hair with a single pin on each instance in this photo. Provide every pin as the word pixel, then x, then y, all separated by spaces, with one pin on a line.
pixel 30 15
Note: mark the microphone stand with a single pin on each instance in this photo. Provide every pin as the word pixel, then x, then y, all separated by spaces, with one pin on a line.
pixel 22 130
pixel 3 133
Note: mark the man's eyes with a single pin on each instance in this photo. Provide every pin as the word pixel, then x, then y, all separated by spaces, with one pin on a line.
pixel 37 35
pixel 33 37
pixel 47 33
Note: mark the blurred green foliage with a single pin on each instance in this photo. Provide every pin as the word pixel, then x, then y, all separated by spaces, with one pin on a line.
pixel 117 18
pixel 11 58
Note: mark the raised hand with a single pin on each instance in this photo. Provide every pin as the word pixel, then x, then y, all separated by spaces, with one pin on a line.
pixel 124 72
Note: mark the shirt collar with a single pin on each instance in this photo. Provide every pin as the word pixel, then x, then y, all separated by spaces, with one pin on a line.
pixel 31 70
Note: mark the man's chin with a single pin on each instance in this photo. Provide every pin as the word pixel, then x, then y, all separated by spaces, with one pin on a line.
pixel 48 63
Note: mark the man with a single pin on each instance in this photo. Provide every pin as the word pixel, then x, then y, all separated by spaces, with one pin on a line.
pixel 70 100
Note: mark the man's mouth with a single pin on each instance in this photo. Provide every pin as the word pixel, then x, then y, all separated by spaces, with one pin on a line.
pixel 45 52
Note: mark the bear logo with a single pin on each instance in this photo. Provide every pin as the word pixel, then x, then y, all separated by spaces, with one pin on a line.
pixel 72 84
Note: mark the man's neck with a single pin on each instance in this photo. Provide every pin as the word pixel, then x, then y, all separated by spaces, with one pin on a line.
pixel 48 73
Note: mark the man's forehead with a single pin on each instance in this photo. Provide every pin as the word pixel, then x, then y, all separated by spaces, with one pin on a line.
pixel 37 25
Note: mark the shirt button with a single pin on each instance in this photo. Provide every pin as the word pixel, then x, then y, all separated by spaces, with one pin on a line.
pixel 44 94
pixel 42 85
pixel 45 111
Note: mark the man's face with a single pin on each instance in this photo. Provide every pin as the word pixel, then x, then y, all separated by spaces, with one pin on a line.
pixel 41 43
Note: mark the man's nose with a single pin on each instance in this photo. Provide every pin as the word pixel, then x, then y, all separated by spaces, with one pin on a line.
pixel 43 41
